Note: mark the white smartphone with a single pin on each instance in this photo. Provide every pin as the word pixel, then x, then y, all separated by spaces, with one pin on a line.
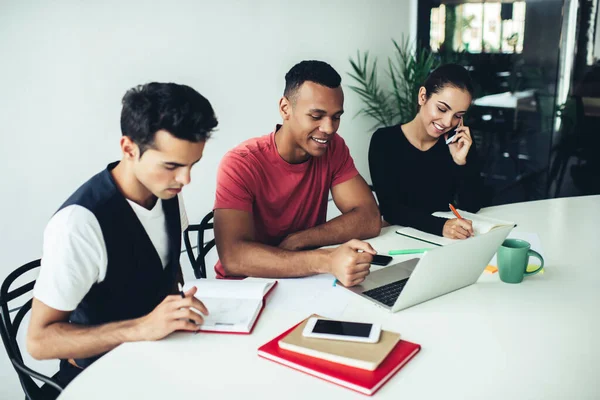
pixel 342 330
pixel 451 138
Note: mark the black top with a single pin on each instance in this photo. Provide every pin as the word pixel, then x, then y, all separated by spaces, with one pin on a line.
pixel 411 184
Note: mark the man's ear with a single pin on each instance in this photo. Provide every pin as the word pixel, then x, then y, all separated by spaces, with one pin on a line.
pixel 285 108
pixel 129 149
pixel 422 98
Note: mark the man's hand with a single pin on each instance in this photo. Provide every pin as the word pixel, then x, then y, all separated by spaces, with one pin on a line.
pixel 350 266
pixel 458 228
pixel 289 243
pixel 174 313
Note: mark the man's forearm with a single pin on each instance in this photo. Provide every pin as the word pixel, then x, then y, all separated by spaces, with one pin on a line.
pixel 356 224
pixel 259 260
pixel 65 340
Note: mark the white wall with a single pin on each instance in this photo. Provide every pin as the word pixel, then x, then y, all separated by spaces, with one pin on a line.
pixel 65 65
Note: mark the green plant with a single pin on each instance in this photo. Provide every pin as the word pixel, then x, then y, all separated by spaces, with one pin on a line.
pixel 407 69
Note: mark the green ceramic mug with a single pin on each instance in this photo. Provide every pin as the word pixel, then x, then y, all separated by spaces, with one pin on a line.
pixel 513 258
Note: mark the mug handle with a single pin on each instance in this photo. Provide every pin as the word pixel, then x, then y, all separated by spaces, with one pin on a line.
pixel 533 253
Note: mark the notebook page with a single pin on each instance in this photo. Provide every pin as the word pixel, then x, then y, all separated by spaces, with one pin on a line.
pixel 220 288
pixel 481 223
pixel 230 314
pixel 424 236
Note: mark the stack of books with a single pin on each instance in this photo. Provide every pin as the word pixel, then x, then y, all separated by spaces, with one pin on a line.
pixel 363 367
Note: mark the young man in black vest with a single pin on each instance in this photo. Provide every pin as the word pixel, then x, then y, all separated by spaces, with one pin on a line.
pixel 110 264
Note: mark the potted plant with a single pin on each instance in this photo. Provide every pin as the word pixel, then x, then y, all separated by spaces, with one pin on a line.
pixel 394 101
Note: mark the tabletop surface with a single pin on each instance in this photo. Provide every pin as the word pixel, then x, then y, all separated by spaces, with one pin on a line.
pixel 492 340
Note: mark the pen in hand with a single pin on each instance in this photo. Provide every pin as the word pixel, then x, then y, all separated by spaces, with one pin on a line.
pixel 455 212
pixel 183 297
pixel 336 281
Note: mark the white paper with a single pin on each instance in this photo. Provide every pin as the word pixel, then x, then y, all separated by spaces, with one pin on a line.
pixel 314 294
pixel 229 314
pixel 424 236
pixel 241 289
pixel 232 304
pixel 481 223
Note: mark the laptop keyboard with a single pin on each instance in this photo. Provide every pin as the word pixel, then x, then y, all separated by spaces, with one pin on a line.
pixel 387 294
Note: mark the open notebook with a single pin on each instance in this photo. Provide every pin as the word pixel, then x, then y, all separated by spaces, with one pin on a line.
pixel 233 305
pixel 481 224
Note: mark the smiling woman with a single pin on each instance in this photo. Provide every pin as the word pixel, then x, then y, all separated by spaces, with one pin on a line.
pixel 414 173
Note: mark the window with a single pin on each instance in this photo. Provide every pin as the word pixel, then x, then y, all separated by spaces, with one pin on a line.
pixel 479 27
pixel 438 19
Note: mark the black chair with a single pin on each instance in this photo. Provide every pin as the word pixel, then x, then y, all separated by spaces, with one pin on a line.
pixel 202 248
pixel 9 329
pixel 579 141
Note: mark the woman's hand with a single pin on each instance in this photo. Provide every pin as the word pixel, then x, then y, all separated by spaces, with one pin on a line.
pixel 458 228
pixel 461 143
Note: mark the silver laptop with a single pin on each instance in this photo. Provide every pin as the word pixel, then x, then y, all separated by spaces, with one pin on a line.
pixel 439 271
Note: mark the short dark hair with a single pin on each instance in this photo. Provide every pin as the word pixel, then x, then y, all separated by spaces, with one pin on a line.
pixel 313 71
pixel 453 75
pixel 177 109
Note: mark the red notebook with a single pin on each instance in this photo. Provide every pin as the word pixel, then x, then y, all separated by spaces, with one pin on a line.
pixel 360 380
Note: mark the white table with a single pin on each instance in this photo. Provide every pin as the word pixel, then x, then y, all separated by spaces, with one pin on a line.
pixel 534 340
pixel 506 99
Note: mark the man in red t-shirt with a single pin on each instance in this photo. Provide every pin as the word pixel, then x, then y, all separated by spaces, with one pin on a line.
pixel 272 191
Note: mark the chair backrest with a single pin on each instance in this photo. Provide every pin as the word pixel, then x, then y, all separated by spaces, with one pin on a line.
pixel 9 329
pixel 202 248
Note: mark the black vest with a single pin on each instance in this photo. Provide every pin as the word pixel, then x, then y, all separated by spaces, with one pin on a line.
pixel 135 281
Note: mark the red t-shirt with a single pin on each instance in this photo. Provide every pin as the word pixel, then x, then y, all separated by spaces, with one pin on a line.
pixel 283 198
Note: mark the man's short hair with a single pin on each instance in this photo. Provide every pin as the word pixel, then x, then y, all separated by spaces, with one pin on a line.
pixel 314 71
pixel 177 109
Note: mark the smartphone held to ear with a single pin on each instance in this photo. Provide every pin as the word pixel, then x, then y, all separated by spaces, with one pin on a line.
pixel 342 330
pixel 450 140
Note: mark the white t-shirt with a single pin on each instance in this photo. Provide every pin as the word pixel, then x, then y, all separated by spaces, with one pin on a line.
pixel 74 253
